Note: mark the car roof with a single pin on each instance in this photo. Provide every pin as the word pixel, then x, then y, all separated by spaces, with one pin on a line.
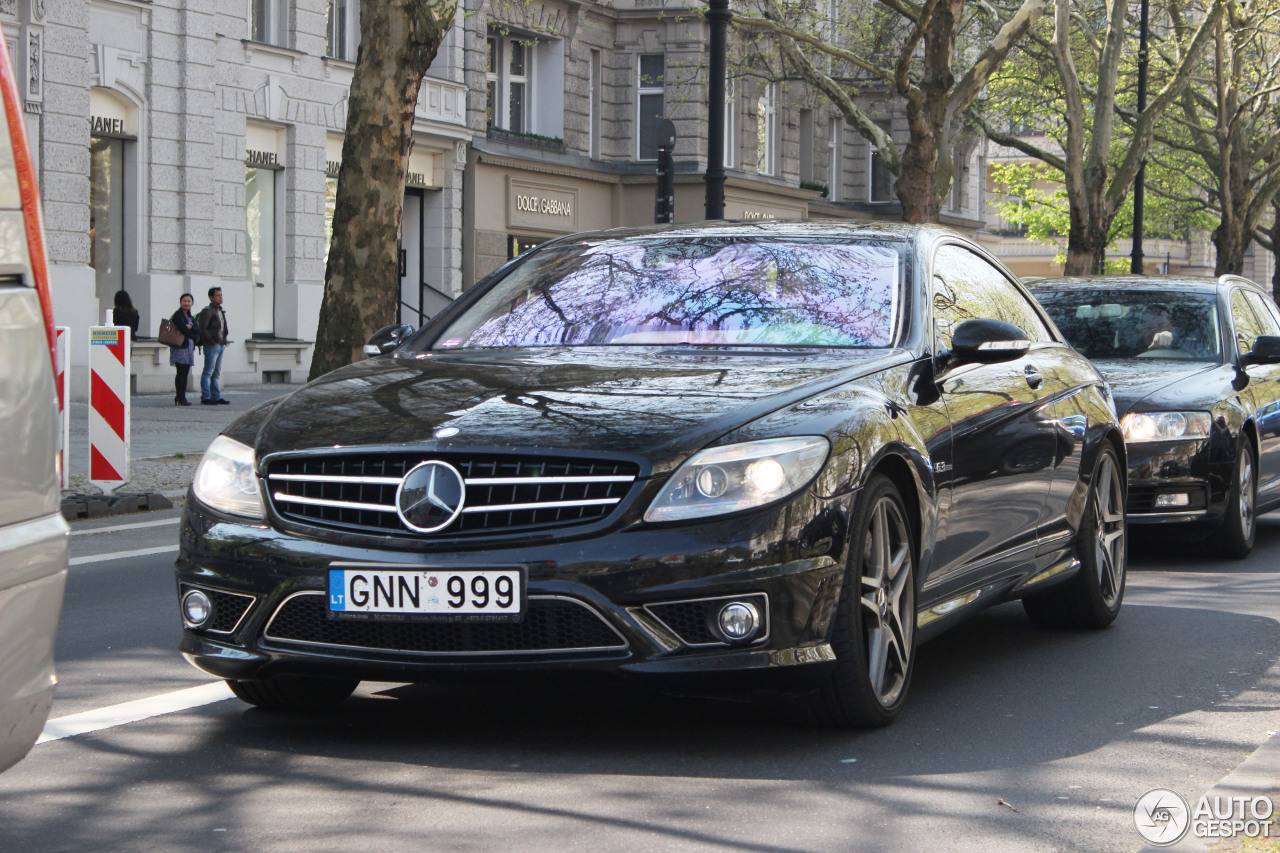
pixel 1149 283
pixel 813 228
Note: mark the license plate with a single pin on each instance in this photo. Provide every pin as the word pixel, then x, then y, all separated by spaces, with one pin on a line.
pixel 432 595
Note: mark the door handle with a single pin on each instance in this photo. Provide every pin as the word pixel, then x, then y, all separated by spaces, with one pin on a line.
pixel 1034 379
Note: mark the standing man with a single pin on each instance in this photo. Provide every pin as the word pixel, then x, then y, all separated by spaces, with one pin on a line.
pixel 212 321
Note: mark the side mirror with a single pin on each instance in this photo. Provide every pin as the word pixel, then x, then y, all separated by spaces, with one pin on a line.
pixel 388 339
pixel 988 342
pixel 1266 350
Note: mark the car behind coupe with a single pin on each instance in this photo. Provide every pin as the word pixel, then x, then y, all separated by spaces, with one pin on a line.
pixel 786 453
pixel 1194 364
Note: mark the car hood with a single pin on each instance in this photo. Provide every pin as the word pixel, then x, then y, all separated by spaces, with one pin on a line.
pixel 657 404
pixel 1135 379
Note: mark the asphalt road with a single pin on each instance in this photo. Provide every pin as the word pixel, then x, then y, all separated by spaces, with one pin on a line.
pixel 1013 740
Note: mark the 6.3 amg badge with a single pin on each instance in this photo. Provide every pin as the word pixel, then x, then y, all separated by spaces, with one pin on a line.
pixel 430 497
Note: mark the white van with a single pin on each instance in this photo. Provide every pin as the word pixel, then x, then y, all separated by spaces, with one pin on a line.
pixel 33 534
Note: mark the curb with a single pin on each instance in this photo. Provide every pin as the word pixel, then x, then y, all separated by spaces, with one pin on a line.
pixel 76 507
pixel 1256 776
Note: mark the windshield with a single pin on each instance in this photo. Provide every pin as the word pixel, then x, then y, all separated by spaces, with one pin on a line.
pixel 732 291
pixel 1136 324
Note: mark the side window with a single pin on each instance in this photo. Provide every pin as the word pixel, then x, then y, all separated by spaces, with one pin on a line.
pixel 1246 324
pixel 966 287
pixel 1265 312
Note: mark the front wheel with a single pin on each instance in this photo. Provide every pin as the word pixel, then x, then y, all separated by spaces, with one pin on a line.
pixel 1235 538
pixel 874 634
pixel 294 693
pixel 1092 598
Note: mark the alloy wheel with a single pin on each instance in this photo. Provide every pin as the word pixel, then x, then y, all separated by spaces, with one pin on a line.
pixel 1246 496
pixel 887 600
pixel 1109 544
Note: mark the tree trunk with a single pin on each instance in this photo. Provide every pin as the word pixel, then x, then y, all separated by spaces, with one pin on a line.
pixel 1231 243
pixel 1275 248
pixel 398 40
pixel 1090 228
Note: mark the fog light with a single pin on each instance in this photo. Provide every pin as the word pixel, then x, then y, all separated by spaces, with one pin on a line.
pixel 196 608
pixel 1175 499
pixel 739 620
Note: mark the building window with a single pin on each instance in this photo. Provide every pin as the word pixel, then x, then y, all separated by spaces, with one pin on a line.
pixel 508 84
pixel 835 171
pixel 650 100
pixel 767 130
pixel 106 216
pixel 730 124
pixel 593 105
pixel 344 29
pixel 260 226
pixel 807 141
pixel 881 188
pixel 267 21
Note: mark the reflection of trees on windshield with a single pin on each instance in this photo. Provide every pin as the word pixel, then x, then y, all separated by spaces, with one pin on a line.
pixel 685 291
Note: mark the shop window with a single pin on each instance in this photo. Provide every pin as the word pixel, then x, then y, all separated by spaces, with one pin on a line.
pixel 881 188
pixel 106 216
pixel 517 245
pixel 344 29
pixel 835 148
pixel 767 131
pixel 260 225
pixel 267 21
pixel 650 103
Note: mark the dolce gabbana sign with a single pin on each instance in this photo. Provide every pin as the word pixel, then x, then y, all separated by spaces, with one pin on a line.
pixel 546 207
pixel 754 209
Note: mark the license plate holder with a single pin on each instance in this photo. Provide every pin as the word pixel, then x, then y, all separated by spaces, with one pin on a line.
pixel 400 594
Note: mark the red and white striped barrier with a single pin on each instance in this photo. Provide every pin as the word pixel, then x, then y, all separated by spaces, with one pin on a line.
pixel 62 382
pixel 108 406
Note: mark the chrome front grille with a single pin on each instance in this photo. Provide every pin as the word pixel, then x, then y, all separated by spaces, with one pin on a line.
pixel 505 492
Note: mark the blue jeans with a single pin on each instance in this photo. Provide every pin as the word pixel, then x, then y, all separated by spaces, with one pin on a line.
pixel 212 370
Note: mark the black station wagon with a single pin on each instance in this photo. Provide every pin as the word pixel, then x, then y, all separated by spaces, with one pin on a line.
pixel 782 452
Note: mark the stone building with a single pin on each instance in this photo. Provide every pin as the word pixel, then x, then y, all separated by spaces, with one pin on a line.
pixel 185 145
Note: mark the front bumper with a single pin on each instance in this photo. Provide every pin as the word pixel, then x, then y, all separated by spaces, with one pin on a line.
pixel 1177 482
pixel 629 599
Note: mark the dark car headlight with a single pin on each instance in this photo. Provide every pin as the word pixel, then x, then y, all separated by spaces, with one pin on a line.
pixel 226 480
pixel 1165 426
pixel 735 477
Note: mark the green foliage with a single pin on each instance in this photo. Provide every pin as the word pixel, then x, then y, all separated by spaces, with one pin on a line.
pixel 817 187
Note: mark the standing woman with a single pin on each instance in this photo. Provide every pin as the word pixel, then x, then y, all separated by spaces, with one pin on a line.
pixel 184 356
pixel 124 314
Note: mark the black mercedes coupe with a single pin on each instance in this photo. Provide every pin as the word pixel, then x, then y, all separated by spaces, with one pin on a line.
pixel 785 453
pixel 1194 364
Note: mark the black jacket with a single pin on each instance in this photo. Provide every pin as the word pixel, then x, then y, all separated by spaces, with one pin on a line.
pixel 207 320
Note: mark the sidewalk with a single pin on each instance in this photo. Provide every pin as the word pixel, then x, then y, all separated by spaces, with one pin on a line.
pixel 167 440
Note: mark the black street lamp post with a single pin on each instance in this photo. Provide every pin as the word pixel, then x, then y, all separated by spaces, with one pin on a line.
pixel 718 16
pixel 1140 182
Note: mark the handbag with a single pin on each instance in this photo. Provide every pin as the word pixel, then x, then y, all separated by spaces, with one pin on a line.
pixel 170 334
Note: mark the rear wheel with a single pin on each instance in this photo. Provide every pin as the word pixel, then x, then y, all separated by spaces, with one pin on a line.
pixel 874 634
pixel 1235 538
pixel 294 693
pixel 1092 598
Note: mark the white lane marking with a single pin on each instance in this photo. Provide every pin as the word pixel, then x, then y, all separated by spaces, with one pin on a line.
pixel 131 712
pixel 120 527
pixel 120 555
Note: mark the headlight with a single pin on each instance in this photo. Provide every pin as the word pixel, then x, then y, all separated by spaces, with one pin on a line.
pixel 225 479
pixel 739 476
pixel 1165 426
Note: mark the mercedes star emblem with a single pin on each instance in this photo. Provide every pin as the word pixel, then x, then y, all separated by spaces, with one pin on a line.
pixel 430 496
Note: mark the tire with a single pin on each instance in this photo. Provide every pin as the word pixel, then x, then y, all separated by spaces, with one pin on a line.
pixel 874 633
pixel 1092 598
pixel 1239 528
pixel 294 693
